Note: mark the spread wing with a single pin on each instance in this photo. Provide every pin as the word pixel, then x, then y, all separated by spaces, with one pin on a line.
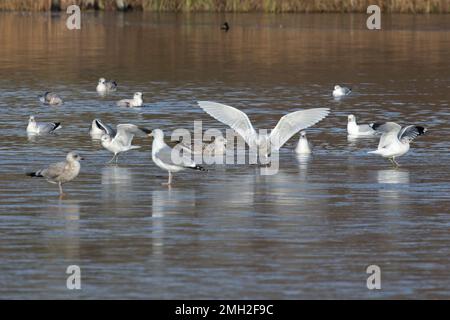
pixel 125 133
pixel 104 127
pixel 409 133
pixel 389 132
pixel 294 122
pixel 232 117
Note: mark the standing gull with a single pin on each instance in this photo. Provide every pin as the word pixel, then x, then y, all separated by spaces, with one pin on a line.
pixel 288 125
pixel 50 98
pixel 354 129
pixel 395 140
pixel 135 102
pixel 60 172
pixel 341 91
pixel 303 146
pixel 40 127
pixel 121 141
pixel 162 157
pixel 104 86
pixel 98 129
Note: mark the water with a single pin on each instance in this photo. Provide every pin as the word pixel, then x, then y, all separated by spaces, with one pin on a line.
pixel 309 231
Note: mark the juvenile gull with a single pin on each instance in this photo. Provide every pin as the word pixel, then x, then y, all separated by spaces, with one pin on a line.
pixel 303 146
pixel 215 148
pixel 60 172
pixel 121 141
pixel 104 86
pixel 135 102
pixel 341 91
pixel 41 127
pixel 162 156
pixel 50 98
pixel 288 125
pixel 395 140
pixel 98 129
pixel 354 129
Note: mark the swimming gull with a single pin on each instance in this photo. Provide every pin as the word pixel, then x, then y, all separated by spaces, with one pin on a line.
pixel 162 157
pixel 341 91
pixel 395 140
pixel 60 172
pixel 135 102
pixel 41 127
pixel 50 98
pixel 98 129
pixel 354 129
pixel 104 86
pixel 288 125
pixel 121 141
pixel 303 146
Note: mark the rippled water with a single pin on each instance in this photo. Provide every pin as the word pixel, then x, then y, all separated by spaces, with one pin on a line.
pixel 309 231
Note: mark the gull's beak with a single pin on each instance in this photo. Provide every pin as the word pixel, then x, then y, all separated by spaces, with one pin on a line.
pixel 81 158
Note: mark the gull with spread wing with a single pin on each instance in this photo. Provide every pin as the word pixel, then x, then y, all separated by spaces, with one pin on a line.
pixel 395 140
pixel 287 126
pixel 121 141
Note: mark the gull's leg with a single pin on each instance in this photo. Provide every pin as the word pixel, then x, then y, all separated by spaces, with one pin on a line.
pixel 169 181
pixel 61 192
pixel 395 162
pixel 117 158
pixel 114 157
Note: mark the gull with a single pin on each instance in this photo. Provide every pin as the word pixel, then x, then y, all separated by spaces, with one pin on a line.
pixel 121 141
pixel 50 98
pixel 104 86
pixel 40 127
pixel 341 91
pixel 303 146
pixel 215 148
pixel 135 102
pixel 354 129
pixel 288 125
pixel 162 157
pixel 60 172
pixel 98 129
pixel 395 140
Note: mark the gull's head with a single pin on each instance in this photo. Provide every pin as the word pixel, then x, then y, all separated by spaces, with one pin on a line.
pixel 73 156
pixel 101 81
pixel 106 138
pixel 337 87
pixel 351 118
pixel 137 95
pixel 157 134
pixel 302 135
pixel 31 119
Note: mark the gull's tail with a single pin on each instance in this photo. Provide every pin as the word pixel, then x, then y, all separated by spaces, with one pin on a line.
pixel 36 174
pixel 375 152
pixel 199 168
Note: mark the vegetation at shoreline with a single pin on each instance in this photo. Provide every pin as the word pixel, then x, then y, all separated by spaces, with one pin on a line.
pixel 271 6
